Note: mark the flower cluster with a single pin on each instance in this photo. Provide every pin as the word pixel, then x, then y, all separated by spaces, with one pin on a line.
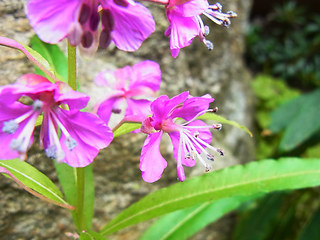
pixel 93 23
pixel 68 136
pixel 186 23
pixel 190 138
pixel 75 137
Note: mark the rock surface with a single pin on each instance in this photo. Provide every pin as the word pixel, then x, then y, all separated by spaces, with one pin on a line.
pixel 118 179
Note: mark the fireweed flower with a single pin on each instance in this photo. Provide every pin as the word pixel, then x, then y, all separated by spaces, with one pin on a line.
pixel 124 22
pixel 186 23
pixel 129 86
pixel 81 134
pixel 189 139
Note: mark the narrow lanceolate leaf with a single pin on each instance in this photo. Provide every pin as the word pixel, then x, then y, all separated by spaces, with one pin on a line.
pixel 247 180
pixel 90 235
pixel 217 118
pixel 54 56
pixel 184 223
pixel 126 127
pixel 68 179
pixel 33 181
pixel 32 55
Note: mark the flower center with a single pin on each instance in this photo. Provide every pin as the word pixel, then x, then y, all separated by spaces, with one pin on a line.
pixel 91 13
pixel 55 150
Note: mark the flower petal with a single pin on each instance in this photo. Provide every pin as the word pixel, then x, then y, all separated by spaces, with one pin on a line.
pixel 30 85
pixel 145 74
pixel 192 106
pixel 11 112
pixel 75 100
pixel 89 133
pixel 190 8
pixel 152 163
pixel 138 107
pixel 162 106
pixel 105 108
pixel 106 78
pixel 52 19
pixel 183 31
pixel 133 24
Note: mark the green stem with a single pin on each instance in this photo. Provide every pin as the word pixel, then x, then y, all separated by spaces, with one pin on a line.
pixel 80 185
pixel 72 67
pixel 80 199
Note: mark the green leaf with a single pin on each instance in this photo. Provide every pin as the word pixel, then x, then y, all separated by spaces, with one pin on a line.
pixel 40 62
pixel 90 235
pixel 258 223
pixel 300 118
pixel 126 127
pixel 54 56
pixel 184 223
pixel 311 230
pixel 217 118
pixel 30 177
pixel 68 179
pixel 250 179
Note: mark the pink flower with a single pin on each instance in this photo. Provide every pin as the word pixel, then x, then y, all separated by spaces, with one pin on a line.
pixel 124 22
pixel 130 86
pixel 189 139
pixel 81 134
pixel 186 24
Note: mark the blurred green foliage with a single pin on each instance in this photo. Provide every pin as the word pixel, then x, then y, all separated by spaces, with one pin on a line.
pixel 269 93
pixel 300 120
pixel 285 47
pixel 286 44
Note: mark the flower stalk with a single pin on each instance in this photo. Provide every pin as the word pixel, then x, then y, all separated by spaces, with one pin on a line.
pixel 72 67
pixel 72 81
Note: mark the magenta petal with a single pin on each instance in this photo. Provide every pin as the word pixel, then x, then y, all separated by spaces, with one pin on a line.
pixel 10 112
pixel 162 106
pixel 105 108
pixel 175 137
pixel 105 78
pixel 52 19
pixel 91 129
pixel 31 85
pixel 192 106
pixel 133 24
pixel 5 141
pixel 183 31
pixel 152 163
pixel 75 100
pixel 192 8
pixel 146 74
pixel 138 107
pixel 82 155
pixel 180 173
pixel 7 94
pixel 121 76
pixel 90 134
